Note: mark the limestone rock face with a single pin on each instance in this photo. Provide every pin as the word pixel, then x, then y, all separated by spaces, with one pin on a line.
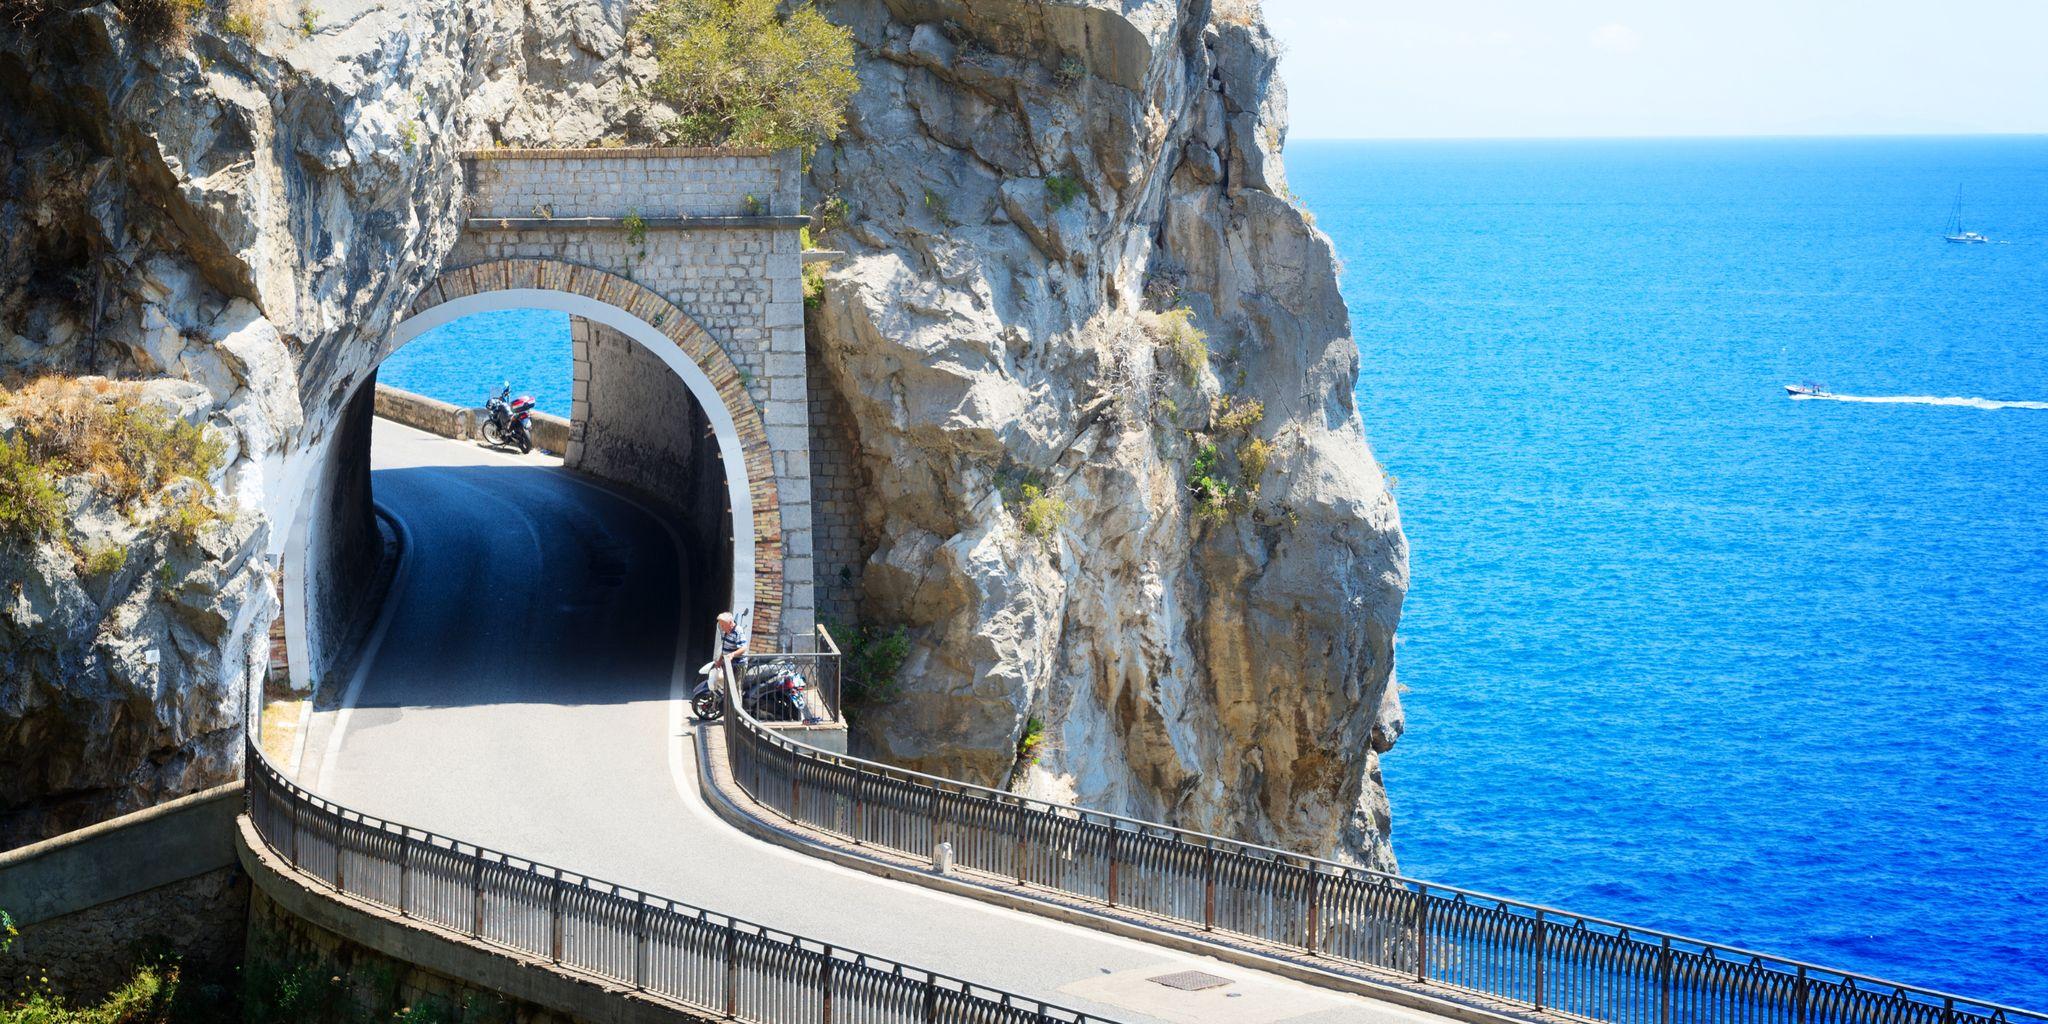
pixel 1026 187
pixel 241 216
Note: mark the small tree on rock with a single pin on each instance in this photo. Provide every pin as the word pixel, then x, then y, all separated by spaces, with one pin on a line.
pixel 739 73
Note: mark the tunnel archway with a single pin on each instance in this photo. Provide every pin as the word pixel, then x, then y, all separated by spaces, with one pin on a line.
pixel 658 327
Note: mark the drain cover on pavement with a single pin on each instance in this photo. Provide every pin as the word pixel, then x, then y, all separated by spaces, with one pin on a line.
pixel 1190 981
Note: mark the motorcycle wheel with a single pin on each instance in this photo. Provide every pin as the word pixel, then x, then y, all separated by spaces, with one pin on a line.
pixel 709 706
pixel 492 435
pixel 525 444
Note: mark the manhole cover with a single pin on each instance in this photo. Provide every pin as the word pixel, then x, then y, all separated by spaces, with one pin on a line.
pixel 1191 981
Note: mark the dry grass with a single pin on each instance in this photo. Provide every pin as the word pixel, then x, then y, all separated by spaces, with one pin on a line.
pixel 94 427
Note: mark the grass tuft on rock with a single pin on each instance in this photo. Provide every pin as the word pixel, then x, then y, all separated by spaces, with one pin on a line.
pixel 66 426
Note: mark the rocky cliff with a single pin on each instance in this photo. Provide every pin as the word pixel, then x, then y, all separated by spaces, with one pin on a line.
pixel 235 202
pixel 1099 373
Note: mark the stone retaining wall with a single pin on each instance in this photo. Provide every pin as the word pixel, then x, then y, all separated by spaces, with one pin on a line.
pixel 551 434
pixel 94 903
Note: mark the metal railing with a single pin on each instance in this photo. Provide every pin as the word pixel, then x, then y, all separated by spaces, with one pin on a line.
pixel 707 962
pixel 1542 959
pixel 816 657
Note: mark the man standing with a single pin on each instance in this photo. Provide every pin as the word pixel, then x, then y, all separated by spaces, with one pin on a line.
pixel 732 644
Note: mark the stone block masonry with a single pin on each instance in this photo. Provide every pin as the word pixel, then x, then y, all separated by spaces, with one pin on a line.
pixel 713 233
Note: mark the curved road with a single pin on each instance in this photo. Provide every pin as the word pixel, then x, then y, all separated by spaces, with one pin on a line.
pixel 520 698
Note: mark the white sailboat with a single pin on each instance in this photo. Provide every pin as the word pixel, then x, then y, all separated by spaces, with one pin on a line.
pixel 1955 231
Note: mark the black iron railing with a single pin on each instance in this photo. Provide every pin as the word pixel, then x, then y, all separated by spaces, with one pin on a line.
pixel 702 960
pixel 1544 959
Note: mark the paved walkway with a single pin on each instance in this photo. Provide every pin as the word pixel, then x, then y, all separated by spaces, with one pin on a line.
pixel 521 699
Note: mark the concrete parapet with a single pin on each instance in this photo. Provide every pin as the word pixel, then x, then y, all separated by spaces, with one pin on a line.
pixel 551 434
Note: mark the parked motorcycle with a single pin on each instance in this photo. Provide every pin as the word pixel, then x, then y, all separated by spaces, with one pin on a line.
pixel 509 421
pixel 773 691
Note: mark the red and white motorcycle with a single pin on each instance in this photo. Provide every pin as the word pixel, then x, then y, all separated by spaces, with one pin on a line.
pixel 510 422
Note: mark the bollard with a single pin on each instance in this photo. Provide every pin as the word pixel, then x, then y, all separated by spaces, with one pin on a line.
pixel 942 859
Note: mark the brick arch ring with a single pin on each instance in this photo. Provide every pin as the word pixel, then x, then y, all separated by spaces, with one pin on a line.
pixel 680 342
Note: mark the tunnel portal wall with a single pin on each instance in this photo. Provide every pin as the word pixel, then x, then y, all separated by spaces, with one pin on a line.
pixel 638 426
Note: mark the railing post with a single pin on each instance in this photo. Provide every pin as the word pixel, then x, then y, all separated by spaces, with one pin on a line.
pixel 1542 937
pixel 404 872
pixel 860 789
pixel 732 970
pixel 825 988
pixel 340 848
pixel 555 920
pixel 296 809
pixel 1209 890
pixel 931 1000
pixel 1948 1010
pixel 1023 841
pixel 1315 909
pixel 476 892
pixel 640 943
pixel 1664 982
pixel 1801 996
pixel 796 761
pixel 1113 836
pixel 1421 932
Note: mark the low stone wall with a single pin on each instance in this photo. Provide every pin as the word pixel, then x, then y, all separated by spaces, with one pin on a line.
pixel 94 903
pixel 550 433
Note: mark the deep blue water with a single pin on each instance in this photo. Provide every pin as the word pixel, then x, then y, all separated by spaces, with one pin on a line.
pixel 464 362
pixel 1679 650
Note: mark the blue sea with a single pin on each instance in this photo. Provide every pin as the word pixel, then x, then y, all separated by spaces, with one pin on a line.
pixel 1679 650
pixel 464 362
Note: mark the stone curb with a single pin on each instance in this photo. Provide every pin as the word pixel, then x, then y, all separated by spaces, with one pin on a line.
pixel 735 810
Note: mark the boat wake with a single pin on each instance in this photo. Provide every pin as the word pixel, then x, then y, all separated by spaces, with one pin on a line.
pixel 1972 403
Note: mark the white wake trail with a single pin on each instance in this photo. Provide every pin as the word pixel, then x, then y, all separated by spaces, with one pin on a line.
pixel 1973 403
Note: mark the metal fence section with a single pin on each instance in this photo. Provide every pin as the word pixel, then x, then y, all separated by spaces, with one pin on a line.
pixel 710 963
pixel 1543 959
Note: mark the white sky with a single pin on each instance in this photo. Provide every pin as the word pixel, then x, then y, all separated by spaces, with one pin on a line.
pixel 1478 68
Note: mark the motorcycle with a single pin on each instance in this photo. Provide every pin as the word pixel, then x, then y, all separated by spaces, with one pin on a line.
pixel 771 692
pixel 510 420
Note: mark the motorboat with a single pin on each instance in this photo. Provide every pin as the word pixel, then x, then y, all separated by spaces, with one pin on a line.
pixel 1806 391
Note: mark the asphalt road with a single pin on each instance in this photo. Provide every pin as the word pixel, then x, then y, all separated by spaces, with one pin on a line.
pixel 519 697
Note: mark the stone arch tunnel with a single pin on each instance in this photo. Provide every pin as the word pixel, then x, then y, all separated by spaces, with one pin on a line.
pixel 680 272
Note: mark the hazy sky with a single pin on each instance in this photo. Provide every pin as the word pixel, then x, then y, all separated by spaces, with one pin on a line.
pixel 1431 68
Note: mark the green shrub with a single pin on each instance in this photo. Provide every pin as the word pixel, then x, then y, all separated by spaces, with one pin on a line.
pixel 753 205
pixel 161 20
pixel 103 559
pixel 1234 417
pixel 1040 514
pixel 832 214
pixel 1175 329
pixel 1063 189
pixel 242 22
pixel 1213 494
pixel 936 203
pixel 409 135
pixel 30 507
pixel 1070 70
pixel 1252 457
pixel 190 515
pixel 1030 741
pixel 636 228
pixel 738 72
pixel 814 286
pixel 870 660
pixel 309 20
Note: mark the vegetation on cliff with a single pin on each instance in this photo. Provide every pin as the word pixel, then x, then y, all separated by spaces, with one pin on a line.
pixel 739 73
pixel 56 427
